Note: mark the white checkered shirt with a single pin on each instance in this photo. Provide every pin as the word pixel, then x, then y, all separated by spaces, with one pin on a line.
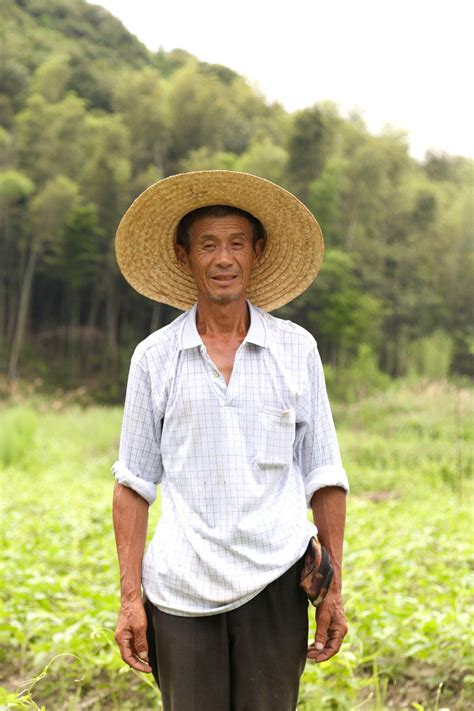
pixel 237 463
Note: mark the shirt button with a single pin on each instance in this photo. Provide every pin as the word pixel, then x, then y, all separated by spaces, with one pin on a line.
pixel 216 373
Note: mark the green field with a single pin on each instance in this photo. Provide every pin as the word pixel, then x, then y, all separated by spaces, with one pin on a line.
pixel 407 563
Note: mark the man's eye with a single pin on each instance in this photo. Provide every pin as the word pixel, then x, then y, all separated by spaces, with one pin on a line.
pixel 237 245
pixel 208 246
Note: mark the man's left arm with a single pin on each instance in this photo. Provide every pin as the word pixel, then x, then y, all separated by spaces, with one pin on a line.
pixel 329 511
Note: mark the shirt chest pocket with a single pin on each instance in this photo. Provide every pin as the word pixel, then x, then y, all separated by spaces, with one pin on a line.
pixel 276 434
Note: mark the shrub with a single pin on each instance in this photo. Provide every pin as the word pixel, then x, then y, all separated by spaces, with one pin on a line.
pixel 17 431
pixel 359 378
pixel 430 357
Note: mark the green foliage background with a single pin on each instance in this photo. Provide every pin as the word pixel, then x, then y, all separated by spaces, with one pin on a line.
pixel 89 118
pixel 408 558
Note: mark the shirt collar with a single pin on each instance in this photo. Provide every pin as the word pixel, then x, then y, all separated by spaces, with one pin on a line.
pixel 190 337
pixel 256 334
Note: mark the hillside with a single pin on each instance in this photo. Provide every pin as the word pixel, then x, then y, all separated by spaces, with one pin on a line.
pixel 39 27
pixel 33 30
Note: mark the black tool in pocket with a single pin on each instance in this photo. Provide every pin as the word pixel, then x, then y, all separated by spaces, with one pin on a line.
pixel 317 572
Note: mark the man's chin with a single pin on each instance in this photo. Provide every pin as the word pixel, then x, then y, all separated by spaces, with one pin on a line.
pixel 224 298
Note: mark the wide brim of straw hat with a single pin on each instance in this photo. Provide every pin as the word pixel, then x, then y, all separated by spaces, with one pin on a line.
pixel 145 238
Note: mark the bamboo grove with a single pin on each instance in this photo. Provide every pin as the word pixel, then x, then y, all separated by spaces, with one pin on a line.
pixel 90 117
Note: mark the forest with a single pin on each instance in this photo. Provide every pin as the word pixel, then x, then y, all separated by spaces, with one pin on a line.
pixel 90 118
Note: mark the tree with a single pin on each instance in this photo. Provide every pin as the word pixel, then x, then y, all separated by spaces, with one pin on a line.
pixel 325 199
pixel 15 190
pixel 52 137
pixel 337 310
pixel 13 87
pixel 50 211
pixel 207 112
pixel 375 228
pixel 310 141
pixel 51 78
pixel 265 159
pixel 205 159
pixel 75 260
pixel 105 182
pixel 140 98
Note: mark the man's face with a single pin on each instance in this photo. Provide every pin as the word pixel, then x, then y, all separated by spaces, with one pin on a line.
pixel 220 257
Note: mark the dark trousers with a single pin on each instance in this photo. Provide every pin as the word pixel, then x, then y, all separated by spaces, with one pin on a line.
pixel 249 659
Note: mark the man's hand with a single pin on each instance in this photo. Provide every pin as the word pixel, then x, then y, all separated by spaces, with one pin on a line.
pixel 331 628
pixel 329 511
pixel 130 635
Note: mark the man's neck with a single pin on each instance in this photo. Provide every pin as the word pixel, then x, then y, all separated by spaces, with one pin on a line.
pixel 230 320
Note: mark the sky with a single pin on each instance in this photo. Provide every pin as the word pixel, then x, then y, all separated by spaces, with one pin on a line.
pixel 403 63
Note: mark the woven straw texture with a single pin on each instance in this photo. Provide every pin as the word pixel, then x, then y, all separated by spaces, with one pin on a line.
pixel 145 238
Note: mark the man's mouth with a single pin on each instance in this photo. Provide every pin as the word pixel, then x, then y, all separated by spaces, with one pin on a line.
pixel 224 277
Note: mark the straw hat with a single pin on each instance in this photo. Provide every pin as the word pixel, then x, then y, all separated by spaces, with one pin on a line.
pixel 145 238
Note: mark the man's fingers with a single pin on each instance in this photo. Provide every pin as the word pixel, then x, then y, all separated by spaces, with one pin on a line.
pixel 130 658
pixel 137 664
pixel 323 620
pixel 129 642
pixel 330 633
pixel 126 652
pixel 320 655
pixel 331 648
pixel 140 643
pixel 140 666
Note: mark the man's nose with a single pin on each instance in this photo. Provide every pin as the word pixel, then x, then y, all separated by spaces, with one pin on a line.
pixel 224 256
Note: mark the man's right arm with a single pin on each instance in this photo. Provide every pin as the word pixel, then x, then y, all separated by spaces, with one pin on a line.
pixel 130 516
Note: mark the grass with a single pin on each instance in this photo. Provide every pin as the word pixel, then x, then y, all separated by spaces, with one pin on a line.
pixel 408 559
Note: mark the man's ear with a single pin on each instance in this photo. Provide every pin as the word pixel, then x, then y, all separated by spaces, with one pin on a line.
pixel 182 258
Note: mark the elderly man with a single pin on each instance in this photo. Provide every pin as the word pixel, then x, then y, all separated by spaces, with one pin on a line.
pixel 226 409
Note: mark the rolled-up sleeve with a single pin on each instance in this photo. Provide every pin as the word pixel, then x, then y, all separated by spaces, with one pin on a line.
pixel 318 452
pixel 139 465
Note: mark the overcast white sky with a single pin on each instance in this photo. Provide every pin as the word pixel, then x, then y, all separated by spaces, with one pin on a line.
pixel 407 63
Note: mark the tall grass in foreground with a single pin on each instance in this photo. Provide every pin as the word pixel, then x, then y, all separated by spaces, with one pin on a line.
pixel 407 561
